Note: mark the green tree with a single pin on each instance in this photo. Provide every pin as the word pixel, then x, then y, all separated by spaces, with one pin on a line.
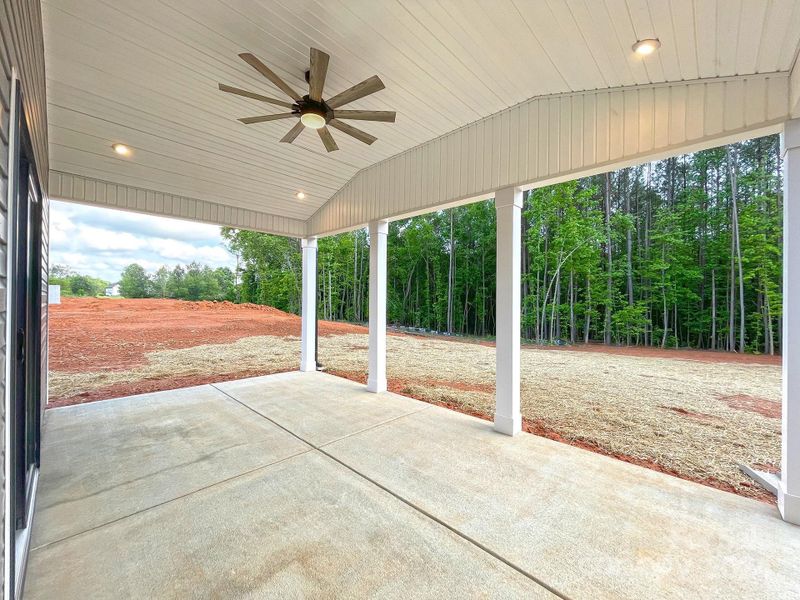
pixel 134 282
pixel 681 252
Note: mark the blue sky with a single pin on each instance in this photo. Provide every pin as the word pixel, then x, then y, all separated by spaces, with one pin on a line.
pixel 101 242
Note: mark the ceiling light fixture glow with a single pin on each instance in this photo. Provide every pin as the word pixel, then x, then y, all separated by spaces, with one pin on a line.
pixel 300 195
pixel 645 47
pixel 313 119
pixel 121 149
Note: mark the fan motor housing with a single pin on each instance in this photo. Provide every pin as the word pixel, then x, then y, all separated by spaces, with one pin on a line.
pixel 307 105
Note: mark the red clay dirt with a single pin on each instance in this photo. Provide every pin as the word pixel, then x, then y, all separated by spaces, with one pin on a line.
pixel 147 386
pixel 761 406
pixel 706 356
pixel 115 334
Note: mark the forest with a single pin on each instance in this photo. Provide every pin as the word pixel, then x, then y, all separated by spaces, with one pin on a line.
pixel 683 252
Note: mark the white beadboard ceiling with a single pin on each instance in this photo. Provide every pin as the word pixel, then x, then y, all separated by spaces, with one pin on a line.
pixel 145 73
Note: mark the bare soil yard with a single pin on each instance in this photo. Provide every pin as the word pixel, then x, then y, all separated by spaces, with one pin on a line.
pixel 689 413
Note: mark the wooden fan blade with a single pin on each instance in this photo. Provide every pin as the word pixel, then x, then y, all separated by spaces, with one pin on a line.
pixel 362 136
pixel 269 74
pixel 359 90
pixel 387 116
pixel 327 139
pixel 263 118
pixel 317 73
pixel 293 133
pixel 253 95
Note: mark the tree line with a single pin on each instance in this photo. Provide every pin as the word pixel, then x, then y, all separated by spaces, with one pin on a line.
pixel 75 284
pixel 190 282
pixel 684 252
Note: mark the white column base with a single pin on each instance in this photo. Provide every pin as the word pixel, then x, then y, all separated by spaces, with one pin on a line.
pixel 376 385
pixel 508 425
pixel 789 506
pixel 308 365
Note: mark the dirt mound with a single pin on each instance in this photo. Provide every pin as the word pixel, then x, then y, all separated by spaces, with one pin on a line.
pixel 106 334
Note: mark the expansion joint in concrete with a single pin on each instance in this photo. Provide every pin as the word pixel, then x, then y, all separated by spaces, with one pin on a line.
pixel 402 499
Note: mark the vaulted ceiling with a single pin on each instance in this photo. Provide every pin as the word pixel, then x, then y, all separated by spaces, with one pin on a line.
pixel 145 73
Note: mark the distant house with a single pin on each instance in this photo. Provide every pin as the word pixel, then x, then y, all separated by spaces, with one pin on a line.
pixel 113 290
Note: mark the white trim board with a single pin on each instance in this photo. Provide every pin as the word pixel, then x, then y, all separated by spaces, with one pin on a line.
pixel 560 137
pixel 87 190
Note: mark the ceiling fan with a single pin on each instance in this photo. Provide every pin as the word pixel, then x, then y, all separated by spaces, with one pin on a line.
pixel 313 111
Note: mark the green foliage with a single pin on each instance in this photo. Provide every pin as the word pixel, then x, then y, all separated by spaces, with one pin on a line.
pixel 269 268
pixel 75 284
pixel 645 255
pixel 192 282
pixel 134 282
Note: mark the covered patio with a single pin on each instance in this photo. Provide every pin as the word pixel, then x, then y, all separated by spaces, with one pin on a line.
pixel 306 485
pixel 302 484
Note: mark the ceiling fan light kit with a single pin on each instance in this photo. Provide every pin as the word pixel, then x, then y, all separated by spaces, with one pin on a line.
pixel 313 111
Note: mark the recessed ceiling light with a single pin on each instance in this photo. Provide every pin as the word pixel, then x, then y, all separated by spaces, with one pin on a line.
pixel 300 195
pixel 121 149
pixel 645 47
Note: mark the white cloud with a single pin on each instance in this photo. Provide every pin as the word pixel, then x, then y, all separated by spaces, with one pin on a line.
pixel 102 242
pixel 94 238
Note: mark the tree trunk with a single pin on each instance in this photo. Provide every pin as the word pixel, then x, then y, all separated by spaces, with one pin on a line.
pixel 733 167
pixel 731 304
pixel 713 309
pixel 588 312
pixel 629 251
pixel 609 277
pixel 572 306
pixel 664 299
pixel 770 336
pixel 451 277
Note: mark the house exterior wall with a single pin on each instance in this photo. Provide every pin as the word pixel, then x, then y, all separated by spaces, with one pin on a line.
pixel 21 47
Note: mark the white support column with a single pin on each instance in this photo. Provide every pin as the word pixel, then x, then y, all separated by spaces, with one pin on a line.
pixel 308 327
pixel 789 489
pixel 508 204
pixel 378 231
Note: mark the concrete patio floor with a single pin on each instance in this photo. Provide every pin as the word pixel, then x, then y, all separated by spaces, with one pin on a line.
pixel 305 485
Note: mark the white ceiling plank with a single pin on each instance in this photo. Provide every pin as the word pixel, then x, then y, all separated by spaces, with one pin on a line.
pixel 146 73
pixel 789 47
pixel 596 27
pixel 626 36
pixel 437 21
pixel 560 37
pixel 728 23
pixel 683 33
pixel 705 27
pixel 663 29
pixel 643 28
pixel 205 164
pixel 776 29
pixel 751 31
pixel 70 161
